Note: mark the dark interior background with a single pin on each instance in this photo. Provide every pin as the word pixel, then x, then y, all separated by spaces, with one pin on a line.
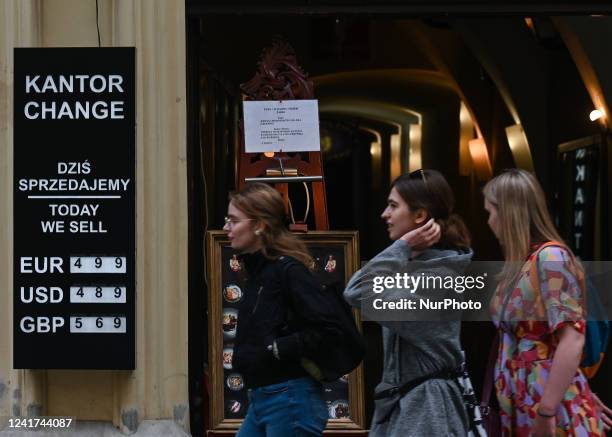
pixel 405 60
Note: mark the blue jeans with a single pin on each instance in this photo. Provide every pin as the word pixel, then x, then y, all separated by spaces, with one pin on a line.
pixel 293 408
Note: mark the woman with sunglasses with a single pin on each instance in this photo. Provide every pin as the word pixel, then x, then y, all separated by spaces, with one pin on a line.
pixel 272 349
pixel 541 390
pixel 420 393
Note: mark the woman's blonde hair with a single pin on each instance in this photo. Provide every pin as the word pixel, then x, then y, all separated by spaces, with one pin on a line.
pixel 264 204
pixel 523 216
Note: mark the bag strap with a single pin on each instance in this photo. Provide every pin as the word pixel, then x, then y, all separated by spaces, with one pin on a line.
pixel 533 270
pixel 406 387
pixel 487 385
pixel 285 264
pixel 534 275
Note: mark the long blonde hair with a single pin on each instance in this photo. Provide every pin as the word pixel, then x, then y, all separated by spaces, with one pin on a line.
pixel 264 204
pixel 523 217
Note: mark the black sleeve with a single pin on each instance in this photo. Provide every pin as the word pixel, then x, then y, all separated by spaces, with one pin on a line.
pixel 315 311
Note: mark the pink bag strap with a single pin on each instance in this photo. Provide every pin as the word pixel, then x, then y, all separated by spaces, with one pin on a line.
pixel 533 271
pixel 533 258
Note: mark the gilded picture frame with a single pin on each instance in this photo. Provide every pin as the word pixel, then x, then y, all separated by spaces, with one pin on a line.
pixel 335 253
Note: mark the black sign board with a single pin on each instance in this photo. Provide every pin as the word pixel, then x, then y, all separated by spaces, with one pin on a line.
pixel 74 208
pixel 578 195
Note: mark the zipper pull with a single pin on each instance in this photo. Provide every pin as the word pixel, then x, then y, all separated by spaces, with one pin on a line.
pixel 257 300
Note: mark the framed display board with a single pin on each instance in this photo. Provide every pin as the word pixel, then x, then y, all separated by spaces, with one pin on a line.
pixel 336 256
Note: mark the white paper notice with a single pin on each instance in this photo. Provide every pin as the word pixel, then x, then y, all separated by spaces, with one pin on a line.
pixel 288 126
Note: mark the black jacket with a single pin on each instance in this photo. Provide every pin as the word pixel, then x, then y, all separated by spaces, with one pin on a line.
pixel 283 303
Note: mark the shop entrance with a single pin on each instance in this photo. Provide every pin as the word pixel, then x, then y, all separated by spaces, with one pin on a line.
pixel 384 110
pixel 396 92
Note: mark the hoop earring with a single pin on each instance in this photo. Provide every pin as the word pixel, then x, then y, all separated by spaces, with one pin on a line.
pixel 258 232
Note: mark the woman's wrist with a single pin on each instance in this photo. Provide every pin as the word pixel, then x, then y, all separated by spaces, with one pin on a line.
pixel 406 239
pixel 546 412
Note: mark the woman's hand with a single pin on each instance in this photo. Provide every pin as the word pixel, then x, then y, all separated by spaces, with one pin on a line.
pixel 604 411
pixel 544 426
pixel 562 371
pixel 424 237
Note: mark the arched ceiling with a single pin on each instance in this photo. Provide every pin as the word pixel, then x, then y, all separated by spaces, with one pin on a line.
pixel 365 108
pixel 584 38
pixel 403 95
pixel 397 77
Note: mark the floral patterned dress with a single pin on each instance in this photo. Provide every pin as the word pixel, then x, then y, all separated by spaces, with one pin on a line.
pixel 528 321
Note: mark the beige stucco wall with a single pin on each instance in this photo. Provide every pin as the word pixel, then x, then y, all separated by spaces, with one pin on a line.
pixel 158 388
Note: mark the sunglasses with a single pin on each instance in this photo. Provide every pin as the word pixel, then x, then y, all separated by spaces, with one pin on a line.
pixel 418 174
